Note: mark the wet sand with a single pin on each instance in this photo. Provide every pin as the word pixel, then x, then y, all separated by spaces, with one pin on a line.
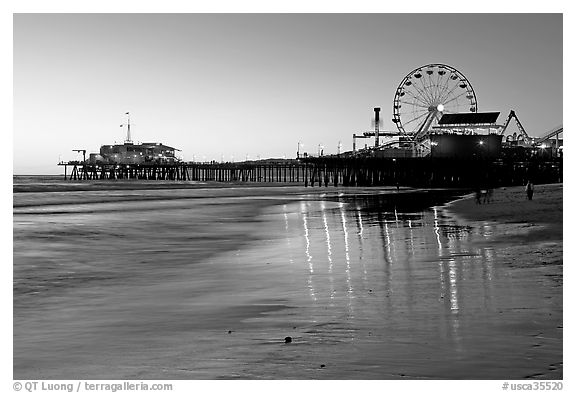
pixel 206 284
pixel 510 205
pixel 534 240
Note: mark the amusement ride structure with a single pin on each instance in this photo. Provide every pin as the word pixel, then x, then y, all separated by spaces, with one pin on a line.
pixel 440 140
pixel 428 92
pixel 438 99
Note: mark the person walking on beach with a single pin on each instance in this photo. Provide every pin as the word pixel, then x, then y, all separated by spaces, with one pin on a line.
pixel 529 190
pixel 478 196
pixel 488 195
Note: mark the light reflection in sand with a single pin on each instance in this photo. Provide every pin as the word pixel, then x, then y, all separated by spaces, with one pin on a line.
pixel 346 249
pixel 388 241
pixel 287 230
pixel 360 225
pixel 328 250
pixel 460 273
pixel 307 237
pixel 307 251
pixel 436 229
pixel 411 248
pixel 454 307
pixel 453 285
pixel 359 221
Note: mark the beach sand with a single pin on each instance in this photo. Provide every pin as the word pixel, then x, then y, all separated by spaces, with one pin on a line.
pixel 510 205
pixel 207 283
pixel 534 241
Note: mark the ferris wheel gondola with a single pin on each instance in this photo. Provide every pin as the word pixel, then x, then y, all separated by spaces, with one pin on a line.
pixel 428 92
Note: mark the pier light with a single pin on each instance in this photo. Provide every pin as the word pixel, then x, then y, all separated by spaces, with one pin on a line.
pixel 543 146
pixel 481 143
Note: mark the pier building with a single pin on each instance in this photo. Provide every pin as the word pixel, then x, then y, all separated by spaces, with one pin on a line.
pixel 129 153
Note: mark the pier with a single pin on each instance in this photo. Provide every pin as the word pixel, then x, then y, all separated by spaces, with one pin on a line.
pixel 338 171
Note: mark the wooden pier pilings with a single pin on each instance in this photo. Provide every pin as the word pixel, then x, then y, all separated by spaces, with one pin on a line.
pixel 336 171
pixel 81 171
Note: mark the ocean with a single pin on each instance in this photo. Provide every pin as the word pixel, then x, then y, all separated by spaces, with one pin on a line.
pixel 184 280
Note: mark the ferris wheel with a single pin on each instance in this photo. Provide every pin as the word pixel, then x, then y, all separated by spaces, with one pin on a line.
pixel 428 92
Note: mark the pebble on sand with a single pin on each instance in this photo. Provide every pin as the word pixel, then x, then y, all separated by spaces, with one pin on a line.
pixel 287 340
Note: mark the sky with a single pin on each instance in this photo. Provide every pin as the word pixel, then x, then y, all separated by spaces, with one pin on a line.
pixel 232 86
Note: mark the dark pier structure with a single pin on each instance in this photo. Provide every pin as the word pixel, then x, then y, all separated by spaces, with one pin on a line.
pixel 455 157
pixel 431 172
pixel 88 171
pixel 353 171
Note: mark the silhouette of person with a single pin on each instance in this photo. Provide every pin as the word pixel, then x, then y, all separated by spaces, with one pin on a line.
pixel 488 195
pixel 529 190
pixel 478 195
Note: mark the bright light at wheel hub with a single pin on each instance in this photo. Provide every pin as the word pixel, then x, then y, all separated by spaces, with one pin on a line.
pixel 440 108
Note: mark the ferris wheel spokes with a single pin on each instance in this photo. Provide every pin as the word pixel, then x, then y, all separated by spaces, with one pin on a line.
pixel 426 93
pixel 417 98
pixel 455 98
pixel 449 93
pixel 419 117
pixel 425 125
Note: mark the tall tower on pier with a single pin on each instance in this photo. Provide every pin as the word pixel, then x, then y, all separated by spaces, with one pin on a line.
pixel 128 136
pixel 377 126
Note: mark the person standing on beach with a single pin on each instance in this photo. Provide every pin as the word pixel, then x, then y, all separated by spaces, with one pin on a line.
pixel 488 195
pixel 478 196
pixel 529 190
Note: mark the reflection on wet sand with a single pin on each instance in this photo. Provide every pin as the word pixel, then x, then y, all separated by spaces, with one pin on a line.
pixel 328 250
pixel 307 251
pixel 350 289
pixel 370 289
pixel 448 278
pixel 434 273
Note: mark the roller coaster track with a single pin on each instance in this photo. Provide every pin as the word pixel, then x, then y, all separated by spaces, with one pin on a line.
pixel 535 141
pixel 550 134
pixel 510 116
